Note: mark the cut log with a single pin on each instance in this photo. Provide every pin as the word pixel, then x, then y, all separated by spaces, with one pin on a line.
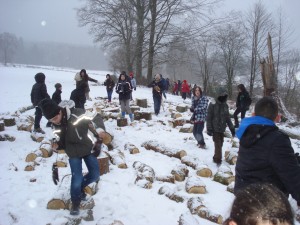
pixel 46 149
pixel 56 204
pixel 145 175
pixel 33 155
pixel 134 108
pixel 25 127
pixel 142 115
pixel 92 188
pixel 122 122
pixel 178 122
pixel 187 128
pixel 224 175
pixel 37 137
pixel 175 115
pixel 131 148
pixel 30 166
pixel 143 183
pixel 117 158
pixel 142 103
pixel 166 191
pixel 231 157
pixel 2 126
pixel 195 185
pixel 25 108
pixel 9 122
pixel 181 108
pixel 180 173
pixel 103 164
pixel 157 147
pixel 117 222
pixel 6 137
pixel 107 138
pixel 195 163
pixel 168 179
pixel 62 160
pixel 230 187
pixel 187 219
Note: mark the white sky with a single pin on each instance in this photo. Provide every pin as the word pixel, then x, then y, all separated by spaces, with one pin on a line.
pixel 25 18
pixel 24 202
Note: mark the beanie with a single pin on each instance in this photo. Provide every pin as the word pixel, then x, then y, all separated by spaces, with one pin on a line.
pixel 221 91
pixel 49 108
pixel 57 85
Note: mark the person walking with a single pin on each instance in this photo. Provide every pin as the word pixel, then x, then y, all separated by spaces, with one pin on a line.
pixel 199 109
pixel 74 139
pixel 157 89
pixel 110 84
pixel 243 102
pixel 266 153
pixel 38 93
pixel 133 83
pixel 217 119
pixel 78 95
pixel 85 78
pixel 185 89
pixel 124 89
pixel 56 96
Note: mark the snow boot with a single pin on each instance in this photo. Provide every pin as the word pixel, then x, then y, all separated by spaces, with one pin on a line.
pixel 131 117
pixel 123 114
pixel 75 208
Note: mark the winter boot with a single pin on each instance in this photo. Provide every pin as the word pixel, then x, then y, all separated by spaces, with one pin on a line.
pixel 75 208
pixel 123 114
pixel 131 117
pixel 39 130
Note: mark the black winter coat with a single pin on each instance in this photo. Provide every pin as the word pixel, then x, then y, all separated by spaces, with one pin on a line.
pixel 266 155
pixel 124 89
pixel 110 84
pixel 56 96
pixel 242 100
pixel 78 96
pixel 39 89
pixel 157 88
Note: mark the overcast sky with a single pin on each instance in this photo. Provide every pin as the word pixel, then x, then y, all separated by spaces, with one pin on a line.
pixel 55 20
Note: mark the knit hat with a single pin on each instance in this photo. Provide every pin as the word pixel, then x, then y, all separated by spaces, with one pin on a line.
pixel 49 108
pixel 221 91
pixel 57 85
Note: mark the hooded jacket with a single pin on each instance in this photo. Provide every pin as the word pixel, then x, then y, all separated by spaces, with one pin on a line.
pixel 266 155
pixel 124 88
pixel 39 89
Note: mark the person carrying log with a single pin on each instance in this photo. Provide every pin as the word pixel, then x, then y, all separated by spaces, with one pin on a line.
pixel 157 89
pixel 72 126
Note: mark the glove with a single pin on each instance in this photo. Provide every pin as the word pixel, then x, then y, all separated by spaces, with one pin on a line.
pixel 232 130
pixel 209 132
pixel 55 177
pixel 98 83
pixel 97 147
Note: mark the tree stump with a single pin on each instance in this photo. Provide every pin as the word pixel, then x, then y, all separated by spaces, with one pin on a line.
pixel 9 122
pixel 142 115
pixel 103 165
pixel 122 122
pixel 142 103
pixel 2 126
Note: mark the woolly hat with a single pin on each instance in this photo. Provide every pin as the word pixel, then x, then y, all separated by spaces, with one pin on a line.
pixel 221 91
pixel 57 85
pixel 49 108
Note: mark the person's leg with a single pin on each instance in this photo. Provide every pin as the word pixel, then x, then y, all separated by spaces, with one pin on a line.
pixel 94 172
pixel 123 108
pixel 235 116
pixel 76 184
pixel 158 104
pixel 38 117
pixel 218 141
pixel 243 112
pixel 198 134
pixel 109 94
pixel 156 107
pixel 128 109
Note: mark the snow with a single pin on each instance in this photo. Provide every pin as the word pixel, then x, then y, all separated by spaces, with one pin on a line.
pixel 119 198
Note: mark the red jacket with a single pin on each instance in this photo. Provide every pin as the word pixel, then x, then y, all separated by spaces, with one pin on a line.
pixel 185 88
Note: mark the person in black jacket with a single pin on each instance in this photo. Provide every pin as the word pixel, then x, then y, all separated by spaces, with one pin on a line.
pixel 265 152
pixel 243 102
pixel 72 126
pixel 38 93
pixel 110 84
pixel 78 95
pixel 85 78
pixel 157 90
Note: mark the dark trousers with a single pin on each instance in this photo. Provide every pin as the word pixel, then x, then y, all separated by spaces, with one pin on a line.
pixel 236 113
pixel 38 117
pixel 198 133
pixel 157 104
pixel 218 139
pixel 109 94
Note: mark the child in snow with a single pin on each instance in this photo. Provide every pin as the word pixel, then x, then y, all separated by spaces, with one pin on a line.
pixel 78 95
pixel 110 84
pixel 56 96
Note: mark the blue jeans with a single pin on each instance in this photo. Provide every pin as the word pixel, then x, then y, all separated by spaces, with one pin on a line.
pixel 157 103
pixel 109 94
pixel 198 133
pixel 79 182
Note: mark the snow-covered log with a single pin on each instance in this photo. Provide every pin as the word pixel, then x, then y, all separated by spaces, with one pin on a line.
pixel 122 122
pixel 144 171
pixel 138 115
pixel 168 178
pixel 46 149
pixel 33 155
pixel 143 183
pixel 37 137
pixel 9 122
pixel 25 123
pixel 180 172
pixel 62 160
pixel 117 158
pixel 157 147
pixel 187 128
pixel 230 187
pixel 92 188
pixel 181 108
pixel 194 185
pixel 175 115
pixel 141 103
pixel 291 134
pixel 6 137
pixel 134 108
pixel 195 163
pixel 178 122
pixel 30 166
pixel 103 162
pixel 187 219
pixel 224 175
pixel 231 156
pixel 165 190
pixel 196 206
pixel 131 148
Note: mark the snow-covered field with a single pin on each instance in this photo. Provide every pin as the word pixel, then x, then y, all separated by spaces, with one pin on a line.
pixel 119 198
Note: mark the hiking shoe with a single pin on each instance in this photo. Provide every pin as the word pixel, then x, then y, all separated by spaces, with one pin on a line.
pixel 39 130
pixel 202 146
pixel 75 209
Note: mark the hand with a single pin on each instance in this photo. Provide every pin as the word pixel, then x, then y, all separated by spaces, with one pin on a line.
pixel 232 130
pixel 209 132
pixel 135 88
pixel 98 83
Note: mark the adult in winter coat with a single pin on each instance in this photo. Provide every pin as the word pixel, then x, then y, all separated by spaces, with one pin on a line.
pixel 85 78
pixel 157 89
pixel 265 153
pixel 110 84
pixel 72 126
pixel 242 104
pixel 56 96
pixel 124 90
pixel 175 88
pixel 199 109
pixel 78 95
pixel 185 89
pixel 217 119
pixel 133 83
pixel 38 93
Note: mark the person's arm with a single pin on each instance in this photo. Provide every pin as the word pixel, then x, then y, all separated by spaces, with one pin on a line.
pixel 44 91
pixel 209 118
pixel 284 163
pixel 91 79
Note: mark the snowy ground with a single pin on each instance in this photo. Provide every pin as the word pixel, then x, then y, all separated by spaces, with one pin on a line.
pixel 119 198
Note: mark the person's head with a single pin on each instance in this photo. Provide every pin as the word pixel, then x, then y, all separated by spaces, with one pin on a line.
pixel 266 107
pixel 51 110
pixel 222 94
pixel 197 91
pixel 40 78
pixel 157 77
pixel 241 88
pixel 58 86
pixel 82 72
pixel 123 72
pixel 131 75
pixel 107 76
pixel 260 204
pixel 122 76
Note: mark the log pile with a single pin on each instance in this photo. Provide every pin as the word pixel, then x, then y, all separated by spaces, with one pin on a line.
pixel 196 206
pixel 157 147
pixel 194 185
pixel 195 163
pixel 224 175
pixel 180 173
pixel 166 191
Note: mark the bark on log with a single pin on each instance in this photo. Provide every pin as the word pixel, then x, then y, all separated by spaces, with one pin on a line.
pixel 37 137
pixel 117 158
pixel 195 163
pixel 6 137
pixel 195 185
pixel 9 122
pixel 144 171
pixel 187 219
pixel 180 173
pixel 224 175
pixel 107 137
pixel 46 149
pixel 131 148
pixel 142 103
pixel 168 179
pixel 122 122
pixel 155 146
pixel 25 127
pixel 231 157
pixel 103 165
pixel 166 191
pixel 142 115
pixel 2 126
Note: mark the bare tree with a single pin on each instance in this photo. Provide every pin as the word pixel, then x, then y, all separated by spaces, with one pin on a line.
pixel 8 46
